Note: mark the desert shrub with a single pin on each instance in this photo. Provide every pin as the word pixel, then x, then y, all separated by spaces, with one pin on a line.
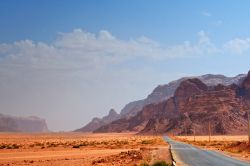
pixel 202 144
pixel 93 143
pixel 32 146
pixel 105 143
pixel 38 144
pixel 2 146
pixel 52 145
pixel 144 164
pixel 147 141
pixel 76 146
pixel 15 146
pixel 239 150
pixel 84 144
pixel 9 147
pixel 124 142
pixel 161 163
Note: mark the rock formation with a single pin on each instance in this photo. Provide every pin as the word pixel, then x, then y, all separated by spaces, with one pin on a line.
pixel 194 106
pixel 164 92
pixel 22 124
pixel 98 122
pixel 159 94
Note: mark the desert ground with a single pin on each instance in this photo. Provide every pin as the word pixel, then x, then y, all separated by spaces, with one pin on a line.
pixel 81 149
pixel 234 146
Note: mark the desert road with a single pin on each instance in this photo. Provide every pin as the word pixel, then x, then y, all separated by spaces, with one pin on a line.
pixel 188 155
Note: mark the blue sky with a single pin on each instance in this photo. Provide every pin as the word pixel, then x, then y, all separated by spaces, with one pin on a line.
pixel 79 58
pixel 160 20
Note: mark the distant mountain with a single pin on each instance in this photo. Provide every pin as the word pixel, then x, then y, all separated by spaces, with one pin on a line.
pixel 159 94
pixel 22 124
pixel 193 106
pixel 98 122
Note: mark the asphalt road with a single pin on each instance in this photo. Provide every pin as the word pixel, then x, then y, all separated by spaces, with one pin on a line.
pixel 188 155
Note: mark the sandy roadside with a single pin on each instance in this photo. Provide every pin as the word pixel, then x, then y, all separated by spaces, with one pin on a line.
pixel 81 149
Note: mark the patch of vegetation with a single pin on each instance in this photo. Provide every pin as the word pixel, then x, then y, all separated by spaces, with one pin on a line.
pixel 2 146
pixel 38 144
pixel 15 146
pixel 147 141
pixel 202 144
pixel 32 146
pixel 76 146
pixel 105 142
pixel 9 147
pixel 161 163
pixel 84 144
pixel 144 164
pixel 50 145
pixel 124 142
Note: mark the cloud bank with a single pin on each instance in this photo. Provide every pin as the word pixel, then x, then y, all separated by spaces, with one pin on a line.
pixel 82 49
pixel 81 74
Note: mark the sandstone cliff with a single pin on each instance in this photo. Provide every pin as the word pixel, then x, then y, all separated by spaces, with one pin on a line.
pixel 164 92
pixel 159 94
pixel 193 106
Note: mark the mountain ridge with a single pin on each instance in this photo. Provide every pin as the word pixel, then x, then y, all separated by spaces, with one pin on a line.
pixel 96 123
pixel 194 105
pixel 161 93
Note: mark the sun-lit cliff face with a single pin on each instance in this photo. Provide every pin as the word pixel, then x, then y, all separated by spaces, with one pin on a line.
pixel 164 92
pixel 194 106
pixel 159 94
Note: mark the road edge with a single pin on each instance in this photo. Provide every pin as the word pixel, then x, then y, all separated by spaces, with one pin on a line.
pixel 172 156
pixel 175 158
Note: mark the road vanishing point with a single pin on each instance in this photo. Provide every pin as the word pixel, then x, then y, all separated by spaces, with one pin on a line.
pixel 188 155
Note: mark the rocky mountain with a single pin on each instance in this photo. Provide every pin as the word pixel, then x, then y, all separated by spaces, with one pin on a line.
pixel 98 122
pixel 164 92
pixel 159 94
pixel 195 105
pixel 22 124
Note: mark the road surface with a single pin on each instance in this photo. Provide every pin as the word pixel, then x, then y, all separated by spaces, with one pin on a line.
pixel 188 155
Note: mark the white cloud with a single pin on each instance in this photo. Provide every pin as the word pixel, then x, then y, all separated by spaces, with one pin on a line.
pixel 84 72
pixel 89 53
pixel 203 47
pixel 80 49
pixel 237 46
pixel 218 23
pixel 206 13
